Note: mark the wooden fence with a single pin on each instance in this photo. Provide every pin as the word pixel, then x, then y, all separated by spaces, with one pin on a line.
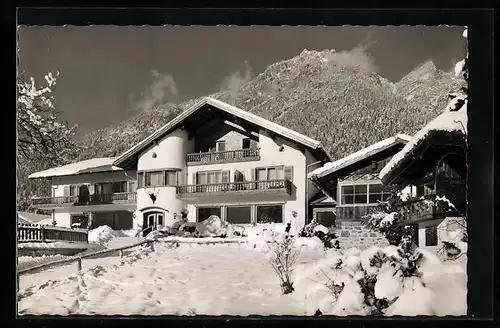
pixel 78 258
pixel 45 233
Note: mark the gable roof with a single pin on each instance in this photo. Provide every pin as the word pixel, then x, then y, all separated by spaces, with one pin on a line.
pixel 362 154
pixel 94 165
pixel 447 122
pixel 232 110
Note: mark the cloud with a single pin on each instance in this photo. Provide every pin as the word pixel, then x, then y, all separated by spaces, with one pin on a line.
pixel 163 89
pixel 234 81
pixel 358 56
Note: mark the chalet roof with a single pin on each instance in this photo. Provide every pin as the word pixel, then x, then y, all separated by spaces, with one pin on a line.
pixel 94 165
pixel 455 121
pixel 232 110
pixel 326 200
pixel 26 217
pixel 362 154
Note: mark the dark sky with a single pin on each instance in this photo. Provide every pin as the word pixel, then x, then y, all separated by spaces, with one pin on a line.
pixel 107 72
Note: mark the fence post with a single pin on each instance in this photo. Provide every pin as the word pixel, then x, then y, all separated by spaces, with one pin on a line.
pixel 121 253
pixel 79 264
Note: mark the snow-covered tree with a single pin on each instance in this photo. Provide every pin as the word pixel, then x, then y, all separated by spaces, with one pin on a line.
pixel 43 140
pixel 40 134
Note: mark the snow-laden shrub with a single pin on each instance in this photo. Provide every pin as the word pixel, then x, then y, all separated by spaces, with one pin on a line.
pixel 383 281
pixel 212 227
pixel 283 255
pixel 103 234
pixel 314 229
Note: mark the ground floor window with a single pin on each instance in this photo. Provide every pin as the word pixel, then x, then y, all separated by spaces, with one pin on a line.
pixel 270 213
pixel 239 214
pixel 431 236
pixel 204 213
pixel 79 221
pixel 326 218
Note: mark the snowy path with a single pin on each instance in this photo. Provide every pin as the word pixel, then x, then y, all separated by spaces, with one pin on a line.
pixel 191 279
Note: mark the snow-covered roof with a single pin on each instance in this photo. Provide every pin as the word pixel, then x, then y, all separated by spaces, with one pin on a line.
pixel 326 200
pixel 32 217
pixel 242 114
pixel 94 165
pixel 449 121
pixel 331 167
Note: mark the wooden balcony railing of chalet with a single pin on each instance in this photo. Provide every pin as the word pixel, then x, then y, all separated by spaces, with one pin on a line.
pixel 228 156
pixel 284 186
pixel 95 199
pixel 423 208
pixel 45 233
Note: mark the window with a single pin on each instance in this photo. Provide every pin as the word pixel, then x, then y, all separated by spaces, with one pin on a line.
pixel 220 145
pixel 274 173
pixel 140 180
pixel 73 190
pixel 246 143
pixel 431 237
pixel 170 178
pixel 326 218
pixel 212 177
pixel 157 178
pixel 154 179
pixel 204 213
pixel 239 215
pixel 362 194
pixel 239 176
pixel 270 213
pixel 120 186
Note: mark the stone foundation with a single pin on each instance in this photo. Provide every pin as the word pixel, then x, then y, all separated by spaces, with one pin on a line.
pixel 355 234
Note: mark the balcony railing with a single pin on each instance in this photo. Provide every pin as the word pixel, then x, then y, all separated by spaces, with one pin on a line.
pixel 278 186
pixel 45 233
pixel 95 199
pixel 423 208
pixel 228 156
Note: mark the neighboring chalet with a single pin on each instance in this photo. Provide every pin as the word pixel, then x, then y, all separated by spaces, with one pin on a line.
pixel 89 194
pixel 351 183
pixel 352 188
pixel 212 159
pixel 434 160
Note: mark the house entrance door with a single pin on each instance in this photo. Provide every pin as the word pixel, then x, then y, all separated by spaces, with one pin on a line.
pixel 151 221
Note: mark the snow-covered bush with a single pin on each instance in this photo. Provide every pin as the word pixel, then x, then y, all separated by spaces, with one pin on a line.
pixel 103 234
pixel 212 227
pixel 283 257
pixel 383 281
pixel 314 229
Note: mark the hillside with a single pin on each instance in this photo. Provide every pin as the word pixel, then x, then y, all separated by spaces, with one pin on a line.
pixel 320 94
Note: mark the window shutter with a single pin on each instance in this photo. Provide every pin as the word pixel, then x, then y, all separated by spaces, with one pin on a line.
pixel 289 173
pixel 225 176
pixel 194 178
pixel 140 180
pixel 253 144
pixel 66 191
pixel 252 175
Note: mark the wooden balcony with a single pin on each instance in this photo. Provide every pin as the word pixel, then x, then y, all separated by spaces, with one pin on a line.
pixel 96 199
pixel 280 187
pixel 423 208
pixel 229 156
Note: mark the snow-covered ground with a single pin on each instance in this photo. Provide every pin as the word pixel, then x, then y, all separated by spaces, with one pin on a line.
pixel 232 279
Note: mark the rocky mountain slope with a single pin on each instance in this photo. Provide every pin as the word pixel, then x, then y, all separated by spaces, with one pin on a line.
pixel 320 94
